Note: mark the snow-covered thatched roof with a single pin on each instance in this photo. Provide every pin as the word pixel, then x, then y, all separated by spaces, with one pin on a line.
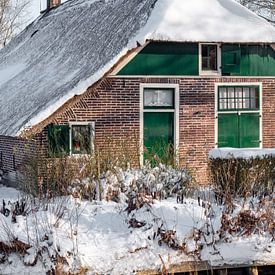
pixel 68 49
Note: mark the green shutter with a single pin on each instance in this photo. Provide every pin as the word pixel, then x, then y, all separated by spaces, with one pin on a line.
pixel 59 139
pixel 228 130
pixel 249 130
pixel 231 57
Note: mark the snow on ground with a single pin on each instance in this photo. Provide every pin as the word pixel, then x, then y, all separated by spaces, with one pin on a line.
pixel 97 235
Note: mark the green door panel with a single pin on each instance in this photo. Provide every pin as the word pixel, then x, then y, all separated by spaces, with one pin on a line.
pixel 228 130
pixel 158 134
pixel 164 58
pixel 249 124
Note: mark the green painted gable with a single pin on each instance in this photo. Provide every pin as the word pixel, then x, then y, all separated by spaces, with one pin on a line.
pixel 164 58
pixel 248 60
pixel 180 59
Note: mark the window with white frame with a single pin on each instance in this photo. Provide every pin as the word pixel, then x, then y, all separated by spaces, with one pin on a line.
pixel 238 116
pixel 73 139
pixel 210 58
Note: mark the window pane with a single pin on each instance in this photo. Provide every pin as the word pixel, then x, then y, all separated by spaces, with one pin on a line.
pixel 253 92
pixel 239 103
pixel 231 92
pixel 246 103
pixel 231 103
pixel 223 93
pixel 209 57
pixel 246 92
pixel 81 139
pixel 223 104
pixel 239 92
pixel 159 98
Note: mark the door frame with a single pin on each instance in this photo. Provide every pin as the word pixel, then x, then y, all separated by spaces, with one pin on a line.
pixel 175 111
pixel 259 84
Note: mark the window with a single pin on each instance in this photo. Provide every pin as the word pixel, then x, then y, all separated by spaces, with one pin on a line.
pixel 76 138
pixel 238 98
pixel 158 98
pixel 210 59
pixel 238 116
pixel 80 139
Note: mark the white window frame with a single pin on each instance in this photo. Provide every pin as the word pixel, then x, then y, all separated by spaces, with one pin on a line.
pixel 219 60
pixel 174 110
pixel 84 123
pixel 259 84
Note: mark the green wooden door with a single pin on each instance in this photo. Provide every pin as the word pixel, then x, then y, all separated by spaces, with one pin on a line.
pixel 158 135
pixel 239 131
pixel 249 130
pixel 228 130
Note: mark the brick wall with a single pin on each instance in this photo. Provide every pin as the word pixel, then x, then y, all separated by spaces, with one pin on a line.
pixel 13 152
pixel 115 110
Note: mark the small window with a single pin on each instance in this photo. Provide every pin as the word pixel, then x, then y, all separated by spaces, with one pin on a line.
pixel 158 98
pixel 238 98
pixel 209 57
pixel 80 139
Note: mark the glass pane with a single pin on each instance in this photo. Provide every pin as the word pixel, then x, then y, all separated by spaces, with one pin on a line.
pixel 239 92
pixel 246 92
pixel 159 98
pixel 246 103
pixel 231 93
pixel 81 139
pixel 239 103
pixel 253 103
pixel 231 103
pixel 209 57
pixel 223 104
pixel 222 92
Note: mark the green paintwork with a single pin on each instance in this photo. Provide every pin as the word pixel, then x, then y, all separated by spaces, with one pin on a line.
pixel 158 133
pixel 248 60
pixel 164 58
pixel 231 57
pixel 58 137
pixel 249 130
pixel 228 130
pixel 239 131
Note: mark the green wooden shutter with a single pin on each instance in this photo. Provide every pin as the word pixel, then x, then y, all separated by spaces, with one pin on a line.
pixel 231 57
pixel 59 140
pixel 228 130
pixel 249 124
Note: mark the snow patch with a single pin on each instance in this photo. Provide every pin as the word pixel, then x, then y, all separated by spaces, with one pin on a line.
pixel 226 153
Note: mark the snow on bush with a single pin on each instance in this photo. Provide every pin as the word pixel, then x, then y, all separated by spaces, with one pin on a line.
pixel 71 235
pixel 160 182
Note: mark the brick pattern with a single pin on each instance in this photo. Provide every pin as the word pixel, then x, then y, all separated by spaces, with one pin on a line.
pixel 14 151
pixel 115 109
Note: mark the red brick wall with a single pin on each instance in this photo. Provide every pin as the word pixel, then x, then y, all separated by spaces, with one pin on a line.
pixel 115 111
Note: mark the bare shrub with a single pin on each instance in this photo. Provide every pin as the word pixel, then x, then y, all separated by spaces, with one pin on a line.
pixel 101 175
pixel 242 177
